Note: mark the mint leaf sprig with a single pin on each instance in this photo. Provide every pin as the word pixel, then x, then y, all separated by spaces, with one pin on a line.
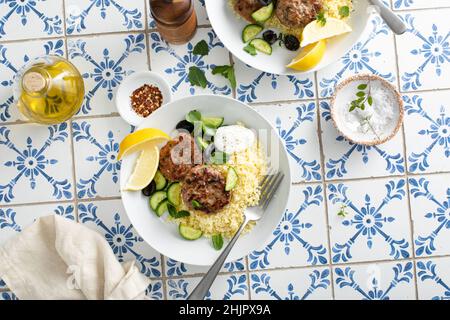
pixel 362 97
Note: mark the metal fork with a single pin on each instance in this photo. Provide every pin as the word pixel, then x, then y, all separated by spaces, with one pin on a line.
pixel 269 186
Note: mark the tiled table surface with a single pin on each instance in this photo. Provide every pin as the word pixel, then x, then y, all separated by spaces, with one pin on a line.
pixel 395 241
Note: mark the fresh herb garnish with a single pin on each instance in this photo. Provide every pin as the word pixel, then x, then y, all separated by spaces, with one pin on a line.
pixel 342 212
pixel 194 116
pixel 196 204
pixel 250 49
pixel 363 97
pixel 321 19
pixel 217 241
pixel 197 77
pixel 227 72
pixel 201 48
pixel 219 157
pixel 344 11
pixel 177 214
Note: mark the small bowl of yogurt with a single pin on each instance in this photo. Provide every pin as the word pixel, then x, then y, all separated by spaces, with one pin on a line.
pixel 367 110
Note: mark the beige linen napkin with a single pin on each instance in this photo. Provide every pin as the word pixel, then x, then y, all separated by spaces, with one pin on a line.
pixel 56 258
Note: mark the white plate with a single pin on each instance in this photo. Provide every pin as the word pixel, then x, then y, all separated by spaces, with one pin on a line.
pixel 162 235
pixel 228 27
pixel 133 82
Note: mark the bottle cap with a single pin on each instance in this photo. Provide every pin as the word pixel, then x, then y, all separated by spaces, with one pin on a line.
pixel 34 82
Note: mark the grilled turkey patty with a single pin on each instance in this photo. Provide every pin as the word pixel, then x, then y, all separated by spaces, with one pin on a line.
pixel 206 185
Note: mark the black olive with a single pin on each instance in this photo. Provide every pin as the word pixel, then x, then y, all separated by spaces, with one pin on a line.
pixel 265 2
pixel 270 36
pixel 291 42
pixel 185 125
pixel 209 151
pixel 150 189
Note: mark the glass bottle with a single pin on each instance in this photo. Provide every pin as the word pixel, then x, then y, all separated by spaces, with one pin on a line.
pixel 48 90
pixel 176 20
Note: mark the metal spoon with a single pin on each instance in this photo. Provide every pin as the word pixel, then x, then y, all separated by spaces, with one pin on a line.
pixel 391 19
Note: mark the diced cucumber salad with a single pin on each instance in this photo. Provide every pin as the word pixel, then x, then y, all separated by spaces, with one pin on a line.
pixel 165 196
pixel 256 43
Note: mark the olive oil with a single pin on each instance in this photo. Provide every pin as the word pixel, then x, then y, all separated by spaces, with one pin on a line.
pixel 49 90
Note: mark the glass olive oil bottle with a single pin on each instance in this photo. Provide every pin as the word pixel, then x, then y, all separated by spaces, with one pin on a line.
pixel 49 90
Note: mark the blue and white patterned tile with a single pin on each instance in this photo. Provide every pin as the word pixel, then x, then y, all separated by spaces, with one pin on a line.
pixel 344 159
pixel 12 57
pixel 384 281
pixel 8 296
pixel 200 10
pixel 433 279
pixel 225 287
pixel 174 61
pixel 96 146
pixel 376 222
pixel 292 284
pixel 257 86
pixel 2 284
pixel 296 123
pixel 109 218
pixel 418 4
pixel 104 61
pixel 98 16
pixel 155 290
pixel 374 53
pixel 427 131
pixel 430 209
pixel 14 220
pixel 37 163
pixel 424 51
pixel 25 19
pixel 301 237
pixel 176 268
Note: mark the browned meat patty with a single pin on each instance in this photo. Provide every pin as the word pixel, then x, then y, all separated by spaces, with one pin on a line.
pixel 179 156
pixel 245 8
pixel 298 13
pixel 206 185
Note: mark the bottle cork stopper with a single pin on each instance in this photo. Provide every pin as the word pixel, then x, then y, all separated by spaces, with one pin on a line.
pixel 33 82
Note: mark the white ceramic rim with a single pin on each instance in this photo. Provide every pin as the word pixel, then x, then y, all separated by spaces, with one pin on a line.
pixel 122 95
pixel 266 67
pixel 238 252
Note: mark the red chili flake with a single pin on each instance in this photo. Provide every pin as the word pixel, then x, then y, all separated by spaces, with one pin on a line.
pixel 146 99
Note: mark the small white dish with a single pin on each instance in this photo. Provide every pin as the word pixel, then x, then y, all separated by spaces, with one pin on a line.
pixel 388 120
pixel 133 82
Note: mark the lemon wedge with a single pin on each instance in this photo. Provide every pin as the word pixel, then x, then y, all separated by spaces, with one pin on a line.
pixel 144 169
pixel 314 31
pixel 309 57
pixel 136 140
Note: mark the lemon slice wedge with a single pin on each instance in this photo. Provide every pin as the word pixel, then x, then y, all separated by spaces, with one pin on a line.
pixel 136 140
pixel 314 31
pixel 309 57
pixel 144 169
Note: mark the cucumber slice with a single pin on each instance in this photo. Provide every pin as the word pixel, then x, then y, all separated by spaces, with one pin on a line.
pixel 202 143
pixel 209 131
pixel 250 32
pixel 189 233
pixel 213 122
pixel 160 181
pixel 157 198
pixel 162 208
pixel 232 178
pixel 263 14
pixel 262 46
pixel 174 194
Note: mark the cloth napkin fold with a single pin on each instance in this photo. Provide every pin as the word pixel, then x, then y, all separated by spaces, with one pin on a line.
pixel 56 258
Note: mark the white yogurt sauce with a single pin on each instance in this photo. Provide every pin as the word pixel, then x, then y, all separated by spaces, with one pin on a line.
pixel 234 138
pixel 383 115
